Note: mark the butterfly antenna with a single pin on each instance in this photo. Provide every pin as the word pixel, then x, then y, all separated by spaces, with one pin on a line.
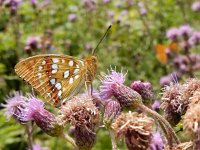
pixel 94 50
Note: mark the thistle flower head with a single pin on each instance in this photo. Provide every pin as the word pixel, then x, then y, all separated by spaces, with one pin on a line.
pixel 112 110
pixel 156 105
pixel 112 85
pixel 196 6
pixel 39 147
pixel 156 142
pixel 172 34
pixel 135 128
pixel 195 39
pixel 108 81
pixel 145 89
pixel 72 17
pixel 80 112
pixel 174 104
pixel 14 105
pixel 34 42
pixel 35 111
pixel 190 87
pixel 185 31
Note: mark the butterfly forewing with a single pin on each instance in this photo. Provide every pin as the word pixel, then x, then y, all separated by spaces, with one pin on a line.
pixel 55 77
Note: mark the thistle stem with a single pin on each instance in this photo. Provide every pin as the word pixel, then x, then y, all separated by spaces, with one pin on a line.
pixel 112 136
pixel 167 135
pixel 161 119
pixel 28 128
pixel 70 140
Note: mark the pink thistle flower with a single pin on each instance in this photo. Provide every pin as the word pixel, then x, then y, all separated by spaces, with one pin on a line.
pixel 185 31
pixel 34 42
pixel 156 142
pixel 72 17
pixel 195 39
pixel 106 90
pixel 14 105
pixel 38 147
pixel 35 111
pixel 196 6
pixel 112 85
pixel 172 34
pixel 156 105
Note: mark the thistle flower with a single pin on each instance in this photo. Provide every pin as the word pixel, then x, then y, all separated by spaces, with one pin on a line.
pixel 89 4
pixel 112 110
pixel 34 42
pixel 166 80
pixel 156 105
pixel 112 85
pixel 191 86
pixel 84 138
pixel 135 128
pixel 145 89
pixel 35 111
pixel 174 105
pixel 14 105
pixel 195 39
pixel 84 116
pixel 185 31
pixel 72 17
pixel 172 34
pixel 80 112
pixel 196 6
pixel 38 147
pixel 12 5
pixel 156 142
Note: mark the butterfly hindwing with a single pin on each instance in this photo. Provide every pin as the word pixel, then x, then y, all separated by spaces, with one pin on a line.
pixel 55 77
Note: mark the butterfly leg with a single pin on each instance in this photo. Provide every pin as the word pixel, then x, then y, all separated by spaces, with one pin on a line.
pixel 89 87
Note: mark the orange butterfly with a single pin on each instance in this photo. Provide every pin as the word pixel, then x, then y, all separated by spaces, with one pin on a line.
pixel 161 51
pixel 58 77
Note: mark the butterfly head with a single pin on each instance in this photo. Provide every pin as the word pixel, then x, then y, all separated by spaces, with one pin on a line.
pixel 92 65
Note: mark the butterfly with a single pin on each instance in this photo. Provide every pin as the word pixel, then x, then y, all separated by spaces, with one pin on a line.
pixel 162 51
pixel 57 77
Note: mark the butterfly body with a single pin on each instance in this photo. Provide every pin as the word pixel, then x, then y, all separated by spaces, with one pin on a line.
pixel 57 77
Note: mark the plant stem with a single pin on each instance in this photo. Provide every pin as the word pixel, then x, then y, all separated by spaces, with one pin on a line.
pixel 112 136
pixel 70 140
pixel 161 119
pixel 28 127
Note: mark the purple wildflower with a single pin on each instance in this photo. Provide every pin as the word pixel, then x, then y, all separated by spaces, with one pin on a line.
pixel 185 45
pixel 112 110
pixel 118 4
pixel 112 85
pixel 34 3
pixel 106 90
pixel 72 17
pixel 172 34
pixel 124 12
pixel 156 142
pixel 106 1
pixel 12 5
pixel 14 105
pixel 196 6
pixel 35 111
pixel 145 89
pixel 34 42
pixel 90 4
pixel 156 105
pixel 195 39
pixel 185 31
pixel 38 147
pixel 141 4
pixel 172 77
pixel 143 11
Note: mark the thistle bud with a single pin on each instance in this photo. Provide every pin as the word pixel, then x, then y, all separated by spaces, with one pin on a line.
pixel 112 110
pixel 84 138
pixel 145 89
pixel 35 111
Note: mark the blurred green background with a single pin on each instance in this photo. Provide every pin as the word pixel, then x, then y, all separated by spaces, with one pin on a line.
pixel 74 28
